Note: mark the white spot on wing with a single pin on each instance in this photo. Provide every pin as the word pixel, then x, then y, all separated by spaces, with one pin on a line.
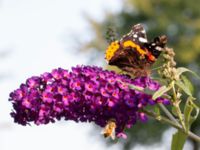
pixel 158 48
pixel 135 35
pixel 143 31
pixel 143 40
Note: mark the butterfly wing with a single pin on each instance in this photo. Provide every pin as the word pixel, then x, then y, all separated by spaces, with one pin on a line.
pixel 134 53
pixel 156 46
pixel 131 47
pixel 137 35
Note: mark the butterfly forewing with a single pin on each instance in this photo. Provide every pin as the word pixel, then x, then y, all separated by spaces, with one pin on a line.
pixel 137 35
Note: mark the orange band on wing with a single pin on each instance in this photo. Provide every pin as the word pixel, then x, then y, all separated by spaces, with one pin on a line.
pixel 112 48
pixel 133 45
pixel 151 57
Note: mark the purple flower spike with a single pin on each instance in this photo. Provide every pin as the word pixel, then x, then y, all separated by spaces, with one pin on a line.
pixel 84 94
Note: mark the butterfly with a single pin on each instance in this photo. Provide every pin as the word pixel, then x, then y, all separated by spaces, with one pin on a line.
pixel 133 53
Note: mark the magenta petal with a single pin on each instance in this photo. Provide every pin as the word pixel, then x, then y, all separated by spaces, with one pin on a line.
pixel 122 135
pixel 142 117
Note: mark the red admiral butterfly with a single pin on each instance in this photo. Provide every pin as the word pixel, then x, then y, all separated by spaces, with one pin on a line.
pixel 133 53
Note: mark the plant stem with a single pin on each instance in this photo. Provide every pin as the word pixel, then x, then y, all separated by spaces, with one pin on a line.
pixel 175 125
pixel 177 108
pixel 169 115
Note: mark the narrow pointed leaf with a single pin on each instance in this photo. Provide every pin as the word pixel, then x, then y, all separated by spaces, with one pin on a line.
pixel 148 91
pixel 196 108
pixel 187 114
pixel 185 88
pixel 145 90
pixel 181 70
pixel 178 140
pixel 138 88
pixel 187 83
pixel 161 91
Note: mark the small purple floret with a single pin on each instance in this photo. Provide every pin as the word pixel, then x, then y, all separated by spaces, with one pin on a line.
pixel 84 94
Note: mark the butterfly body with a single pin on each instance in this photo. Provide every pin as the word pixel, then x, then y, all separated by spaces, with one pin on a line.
pixel 133 53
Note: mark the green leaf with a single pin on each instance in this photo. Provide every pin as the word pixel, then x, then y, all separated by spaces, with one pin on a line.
pixel 194 117
pixel 161 91
pixel 185 88
pixel 148 91
pixel 189 107
pixel 181 70
pixel 187 114
pixel 141 89
pixel 178 140
pixel 187 82
pixel 138 88
pixel 196 114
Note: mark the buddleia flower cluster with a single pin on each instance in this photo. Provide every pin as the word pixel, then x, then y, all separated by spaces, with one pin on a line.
pixel 84 94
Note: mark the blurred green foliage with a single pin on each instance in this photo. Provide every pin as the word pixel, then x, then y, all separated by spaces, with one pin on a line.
pixel 179 20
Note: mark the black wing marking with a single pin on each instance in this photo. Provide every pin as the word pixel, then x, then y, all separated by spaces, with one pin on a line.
pixel 157 45
pixel 137 35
